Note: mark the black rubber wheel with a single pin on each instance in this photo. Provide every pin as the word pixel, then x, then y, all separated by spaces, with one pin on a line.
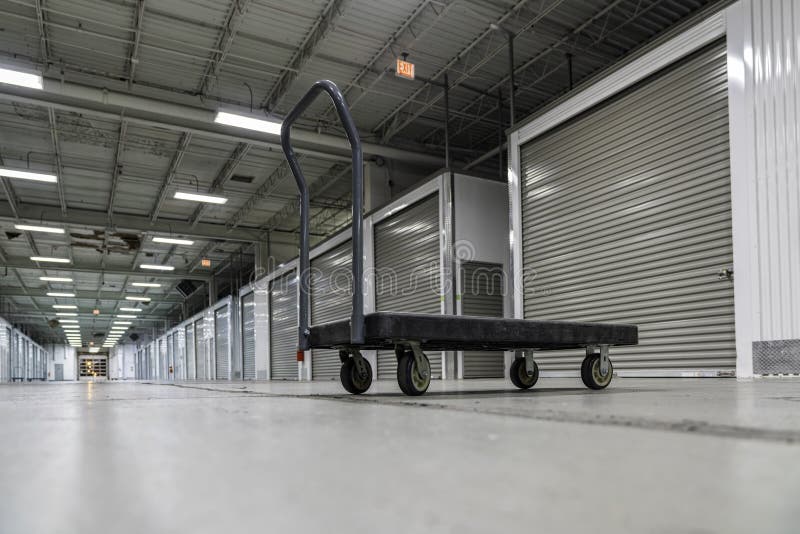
pixel 412 380
pixel 519 374
pixel 351 380
pixel 590 373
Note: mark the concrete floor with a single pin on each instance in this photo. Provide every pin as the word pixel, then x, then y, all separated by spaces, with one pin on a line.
pixel 659 455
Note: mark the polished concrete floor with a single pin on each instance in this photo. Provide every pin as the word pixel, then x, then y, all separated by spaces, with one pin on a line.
pixel 657 455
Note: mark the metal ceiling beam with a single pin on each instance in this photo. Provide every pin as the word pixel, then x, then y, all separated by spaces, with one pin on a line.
pixel 51 114
pixel 180 151
pixel 39 213
pixel 35 313
pixel 43 42
pixel 133 55
pixel 81 295
pixel 152 112
pixel 391 124
pixel 407 27
pixel 27 265
pixel 523 68
pixel 231 26
pixel 11 196
pixel 123 131
pixel 261 193
pixel 322 26
pixel 225 174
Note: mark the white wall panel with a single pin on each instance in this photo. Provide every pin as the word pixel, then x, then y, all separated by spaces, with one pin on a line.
pixel 764 94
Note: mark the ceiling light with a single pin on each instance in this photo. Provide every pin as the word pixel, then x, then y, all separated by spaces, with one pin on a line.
pixel 137 310
pixel 67 314
pixel 54 279
pixel 49 259
pixel 196 197
pixel 54 294
pixel 145 284
pixel 70 327
pixel 123 322
pixel 46 229
pixel 140 299
pixel 23 79
pixel 249 123
pixel 126 317
pixel 156 267
pixel 173 241
pixel 27 175
pixel 94 350
pixel 68 321
pixel 65 306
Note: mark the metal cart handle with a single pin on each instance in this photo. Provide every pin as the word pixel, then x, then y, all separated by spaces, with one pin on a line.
pixel 357 315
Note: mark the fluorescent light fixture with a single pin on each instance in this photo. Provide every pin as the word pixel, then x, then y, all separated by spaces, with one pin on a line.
pixel 138 299
pixel 49 259
pixel 65 306
pixel 126 317
pixel 248 123
pixel 64 321
pixel 94 350
pixel 23 79
pixel 54 294
pixel 145 284
pixel 28 175
pixel 136 310
pixel 54 279
pixel 123 322
pixel 67 314
pixel 173 241
pixel 70 327
pixel 45 229
pixel 196 197
pixel 152 267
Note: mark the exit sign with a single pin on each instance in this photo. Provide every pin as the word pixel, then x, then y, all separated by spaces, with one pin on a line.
pixel 404 69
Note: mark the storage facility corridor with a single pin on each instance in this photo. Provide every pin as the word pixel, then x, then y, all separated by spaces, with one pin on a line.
pixel 419 266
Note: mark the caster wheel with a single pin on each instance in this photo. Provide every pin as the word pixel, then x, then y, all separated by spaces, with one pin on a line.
pixel 519 374
pixel 590 373
pixel 412 380
pixel 352 381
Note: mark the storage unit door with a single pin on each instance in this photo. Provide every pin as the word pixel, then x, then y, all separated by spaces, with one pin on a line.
pixel 190 361
pixel 200 350
pixel 331 300
pixel 283 327
pixel 249 336
pixel 177 356
pixel 626 215
pixel 482 296
pixel 407 270
pixel 221 342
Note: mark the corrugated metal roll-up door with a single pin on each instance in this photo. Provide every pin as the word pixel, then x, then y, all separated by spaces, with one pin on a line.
pixel 200 350
pixel 283 327
pixel 331 300
pixel 407 268
pixel 626 215
pixel 190 357
pixel 482 296
pixel 249 336
pixel 221 342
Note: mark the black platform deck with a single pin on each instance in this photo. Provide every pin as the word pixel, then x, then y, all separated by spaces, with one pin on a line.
pixel 447 332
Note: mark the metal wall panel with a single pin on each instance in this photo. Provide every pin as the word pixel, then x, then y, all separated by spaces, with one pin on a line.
pixel 200 353
pixel 331 300
pixel 177 356
pixel 190 356
pixel 407 270
pixel 283 327
pixel 626 217
pixel 249 336
pixel 5 354
pixel 482 296
pixel 763 58
pixel 222 342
